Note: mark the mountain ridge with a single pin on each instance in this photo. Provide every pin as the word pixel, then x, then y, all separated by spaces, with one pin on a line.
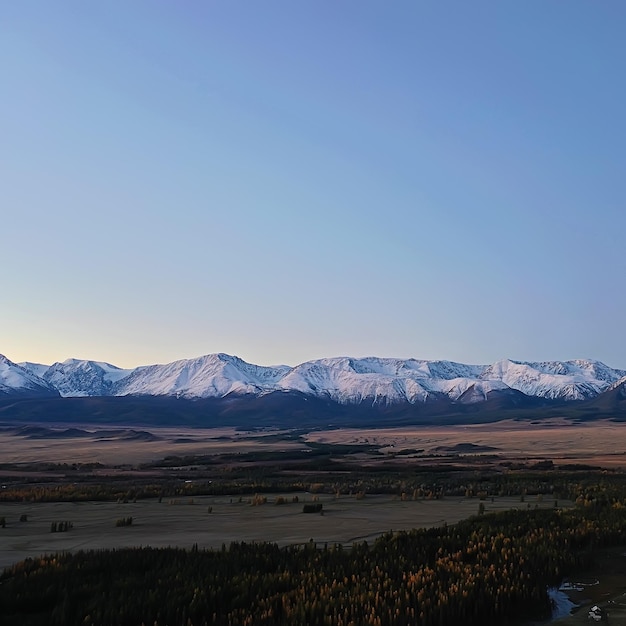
pixel 344 380
pixel 21 382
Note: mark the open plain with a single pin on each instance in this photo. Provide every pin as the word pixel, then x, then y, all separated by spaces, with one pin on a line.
pixel 601 442
pixel 185 522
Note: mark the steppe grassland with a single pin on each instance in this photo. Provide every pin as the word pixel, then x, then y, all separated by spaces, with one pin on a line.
pixel 601 443
pixel 15 448
pixel 184 522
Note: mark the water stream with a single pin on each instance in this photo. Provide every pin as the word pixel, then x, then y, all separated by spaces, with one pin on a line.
pixel 561 604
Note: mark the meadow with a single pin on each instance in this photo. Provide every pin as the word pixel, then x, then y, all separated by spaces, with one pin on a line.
pixel 209 522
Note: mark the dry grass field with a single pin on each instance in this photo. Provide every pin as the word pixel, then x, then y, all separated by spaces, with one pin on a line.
pixel 564 442
pixel 185 522
pixel 600 443
pixel 133 446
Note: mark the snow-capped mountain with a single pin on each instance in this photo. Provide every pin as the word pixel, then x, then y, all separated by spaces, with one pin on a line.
pixel 345 380
pixel 566 380
pixel 383 381
pixel 214 375
pixel 16 381
pixel 75 378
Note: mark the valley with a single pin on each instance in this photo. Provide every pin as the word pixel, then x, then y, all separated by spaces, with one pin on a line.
pixel 95 495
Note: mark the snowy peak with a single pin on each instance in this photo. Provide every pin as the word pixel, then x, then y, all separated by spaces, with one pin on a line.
pixel 38 369
pixel 16 381
pixel 74 377
pixel 214 375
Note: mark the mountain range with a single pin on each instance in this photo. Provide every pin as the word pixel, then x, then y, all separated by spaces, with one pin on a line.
pixel 219 389
pixel 368 381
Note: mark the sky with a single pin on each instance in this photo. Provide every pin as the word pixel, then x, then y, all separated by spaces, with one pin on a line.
pixel 285 181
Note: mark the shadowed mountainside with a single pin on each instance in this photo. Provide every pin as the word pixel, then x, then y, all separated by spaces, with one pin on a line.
pixel 295 410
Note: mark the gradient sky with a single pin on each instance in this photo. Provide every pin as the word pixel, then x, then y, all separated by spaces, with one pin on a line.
pixel 290 180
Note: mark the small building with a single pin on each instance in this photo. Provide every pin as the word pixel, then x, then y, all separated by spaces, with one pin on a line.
pixel 597 614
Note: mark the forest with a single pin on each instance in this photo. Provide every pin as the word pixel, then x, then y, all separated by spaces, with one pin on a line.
pixel 327 473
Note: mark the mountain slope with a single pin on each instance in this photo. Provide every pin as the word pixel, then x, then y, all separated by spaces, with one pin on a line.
pixel 15 381
pixel 74 377
pixel 567 380
pixel 612 401
pixel 211 376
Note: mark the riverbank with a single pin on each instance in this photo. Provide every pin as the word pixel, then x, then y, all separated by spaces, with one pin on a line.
pixel 603 584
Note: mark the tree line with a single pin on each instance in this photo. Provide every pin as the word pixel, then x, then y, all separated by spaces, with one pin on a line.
pixel 408 484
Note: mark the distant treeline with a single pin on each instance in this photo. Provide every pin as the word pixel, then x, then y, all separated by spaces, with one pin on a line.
pixel 479 572
pixel 410 483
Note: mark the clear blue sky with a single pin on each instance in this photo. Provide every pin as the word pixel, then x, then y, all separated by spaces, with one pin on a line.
pixel 290 180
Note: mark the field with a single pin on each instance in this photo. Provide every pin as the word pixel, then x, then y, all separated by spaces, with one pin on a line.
pixel 129 446
pixel 601 442
pixel 185 522
pixel 563 442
